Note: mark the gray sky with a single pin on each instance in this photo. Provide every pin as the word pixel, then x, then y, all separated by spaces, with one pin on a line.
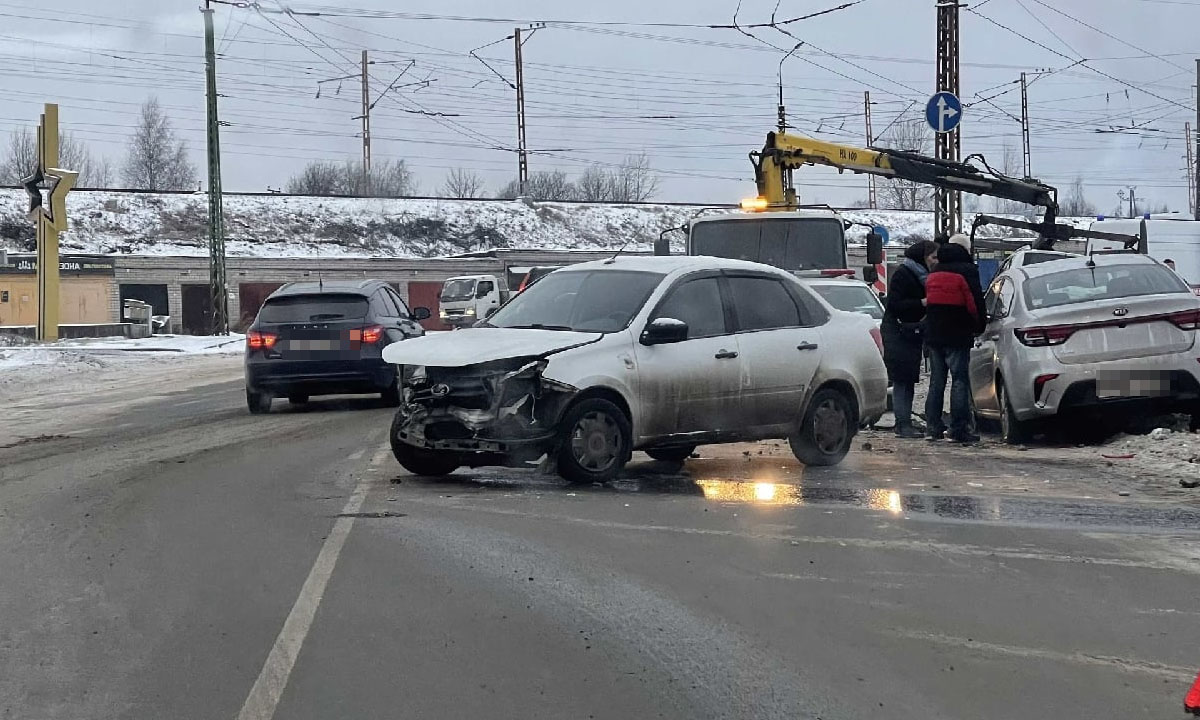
pixel 597 92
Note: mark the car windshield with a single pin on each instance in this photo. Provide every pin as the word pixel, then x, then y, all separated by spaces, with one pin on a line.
pixel 851 298
pixel 580 300
pixel 787 243
pixel 313 308
pixel 1106 282
pixel 460 289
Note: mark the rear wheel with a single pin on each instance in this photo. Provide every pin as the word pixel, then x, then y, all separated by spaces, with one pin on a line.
pixel 419 461
pixel 258 403
pixel 1012 430
pixel 825 433
pixel 672 454
pixel 298 399
pixel 594 443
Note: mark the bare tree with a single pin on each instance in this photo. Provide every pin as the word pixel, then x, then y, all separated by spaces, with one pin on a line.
pixel 544 185
pixel 913 135
pixel 633 181
pixel 462 183
pixel 1074 202
pixel 389 178
pixel 594 185
pixel 156 160
pixel 21 157
pixel 319 177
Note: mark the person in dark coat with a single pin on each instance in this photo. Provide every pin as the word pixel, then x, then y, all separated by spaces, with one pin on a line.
pixel 954 315
pixel 901 331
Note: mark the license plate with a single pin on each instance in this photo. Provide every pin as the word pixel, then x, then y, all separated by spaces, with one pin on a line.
pixel 1132 383
pixel 310 345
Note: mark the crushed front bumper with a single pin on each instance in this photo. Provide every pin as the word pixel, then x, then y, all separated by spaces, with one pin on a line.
pixel 505 408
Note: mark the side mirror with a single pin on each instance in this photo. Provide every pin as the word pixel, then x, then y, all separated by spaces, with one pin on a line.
pixel 664 331
pixel 662 246
pixel 870 274
pixel 421 313
pixel 874 248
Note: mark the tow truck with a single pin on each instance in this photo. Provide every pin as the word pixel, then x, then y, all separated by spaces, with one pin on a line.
pixel 774 228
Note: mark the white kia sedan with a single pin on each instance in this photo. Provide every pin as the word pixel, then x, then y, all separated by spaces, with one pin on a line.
pixel 659 354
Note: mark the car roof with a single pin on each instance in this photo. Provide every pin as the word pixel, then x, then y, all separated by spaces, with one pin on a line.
pixel 667 264
pixel 1081 261
pixel 363 287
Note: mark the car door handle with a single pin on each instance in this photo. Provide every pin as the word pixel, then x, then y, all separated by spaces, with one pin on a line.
pixel 725 355
pixel 807 346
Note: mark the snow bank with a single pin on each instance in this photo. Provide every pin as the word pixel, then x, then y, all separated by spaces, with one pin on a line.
pixel 105 222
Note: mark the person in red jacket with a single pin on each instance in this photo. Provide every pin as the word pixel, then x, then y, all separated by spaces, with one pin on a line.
pixel 954 315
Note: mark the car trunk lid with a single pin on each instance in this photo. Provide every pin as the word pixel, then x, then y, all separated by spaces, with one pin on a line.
pixel 1117 329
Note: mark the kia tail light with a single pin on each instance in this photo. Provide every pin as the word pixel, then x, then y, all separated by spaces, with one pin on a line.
pixel 1187 320
pixel 1044 336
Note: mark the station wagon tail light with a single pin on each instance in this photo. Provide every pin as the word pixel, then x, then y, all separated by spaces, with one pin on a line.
pixel 256 340
pixel 1188 320
pixel 372 334
pixel 878 338
pixel 1044 336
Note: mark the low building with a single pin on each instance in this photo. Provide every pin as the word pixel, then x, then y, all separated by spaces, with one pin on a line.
pixel 87 290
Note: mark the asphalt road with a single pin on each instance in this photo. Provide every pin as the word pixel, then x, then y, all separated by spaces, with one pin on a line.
pixel 167 555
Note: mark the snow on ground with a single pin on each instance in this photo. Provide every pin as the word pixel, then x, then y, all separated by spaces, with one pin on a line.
pixel 24 363
pixel 113 222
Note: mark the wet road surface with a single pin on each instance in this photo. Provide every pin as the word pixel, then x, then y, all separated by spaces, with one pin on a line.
pixel 180 558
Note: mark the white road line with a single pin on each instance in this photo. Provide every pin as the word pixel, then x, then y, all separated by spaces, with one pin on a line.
pixel 1129 665
pixel 273 679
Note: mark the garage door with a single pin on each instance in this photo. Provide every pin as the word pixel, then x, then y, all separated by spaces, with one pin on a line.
pixel 426 294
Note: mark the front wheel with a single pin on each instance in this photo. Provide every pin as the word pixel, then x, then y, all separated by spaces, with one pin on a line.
pixel 825 433
pixel 671 454
pixel 1012 430
pixel 258 403
pixel 594 443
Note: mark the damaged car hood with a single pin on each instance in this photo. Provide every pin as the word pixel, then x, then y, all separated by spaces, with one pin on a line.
pixel 480 345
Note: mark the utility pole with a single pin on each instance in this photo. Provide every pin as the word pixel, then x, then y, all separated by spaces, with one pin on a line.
pixel 366 126
pixel 218 291
pixel 947 207
pixel 1026 155
pixel 1196 168
pixel 870 143
pixel 1191 170
pixel 1132 202
pixel 522 158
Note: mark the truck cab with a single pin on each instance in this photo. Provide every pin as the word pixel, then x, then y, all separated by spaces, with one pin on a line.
pixel 1166 238
pixel 798 241
pixel 468 298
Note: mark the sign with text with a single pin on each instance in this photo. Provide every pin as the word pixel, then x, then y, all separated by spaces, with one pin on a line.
pixel 67 265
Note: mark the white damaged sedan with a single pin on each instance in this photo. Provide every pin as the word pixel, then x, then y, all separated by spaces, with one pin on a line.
pixel 659 354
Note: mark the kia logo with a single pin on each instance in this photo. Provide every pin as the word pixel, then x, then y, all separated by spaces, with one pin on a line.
pixel 1121 312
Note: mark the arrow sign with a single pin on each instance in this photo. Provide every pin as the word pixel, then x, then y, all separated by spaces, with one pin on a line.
pixel 943 112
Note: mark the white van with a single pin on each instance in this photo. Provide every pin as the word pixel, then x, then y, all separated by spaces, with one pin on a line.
pixel 1168 237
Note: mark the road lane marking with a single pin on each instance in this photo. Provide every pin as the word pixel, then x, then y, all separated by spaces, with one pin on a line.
pixel 273 678
pixel 934 547
pixel 1172 672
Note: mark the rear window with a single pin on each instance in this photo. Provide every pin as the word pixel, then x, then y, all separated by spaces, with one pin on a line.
pixel 851 298
pixel 313 308
pixel 1100 283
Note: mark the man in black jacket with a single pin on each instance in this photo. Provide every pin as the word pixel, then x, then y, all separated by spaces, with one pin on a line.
pixel 954 316
pixel 901 331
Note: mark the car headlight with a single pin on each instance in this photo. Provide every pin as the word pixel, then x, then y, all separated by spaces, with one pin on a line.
pixel 469 311
pixel 442 313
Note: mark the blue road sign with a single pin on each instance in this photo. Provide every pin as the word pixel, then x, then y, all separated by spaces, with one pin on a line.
pixel 943 112
pixel 882 232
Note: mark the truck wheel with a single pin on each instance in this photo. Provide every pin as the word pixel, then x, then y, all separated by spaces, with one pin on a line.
pixel 419 461
pixel 672 454
pixel 594 442
pixel 258 403
pixel 825 433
